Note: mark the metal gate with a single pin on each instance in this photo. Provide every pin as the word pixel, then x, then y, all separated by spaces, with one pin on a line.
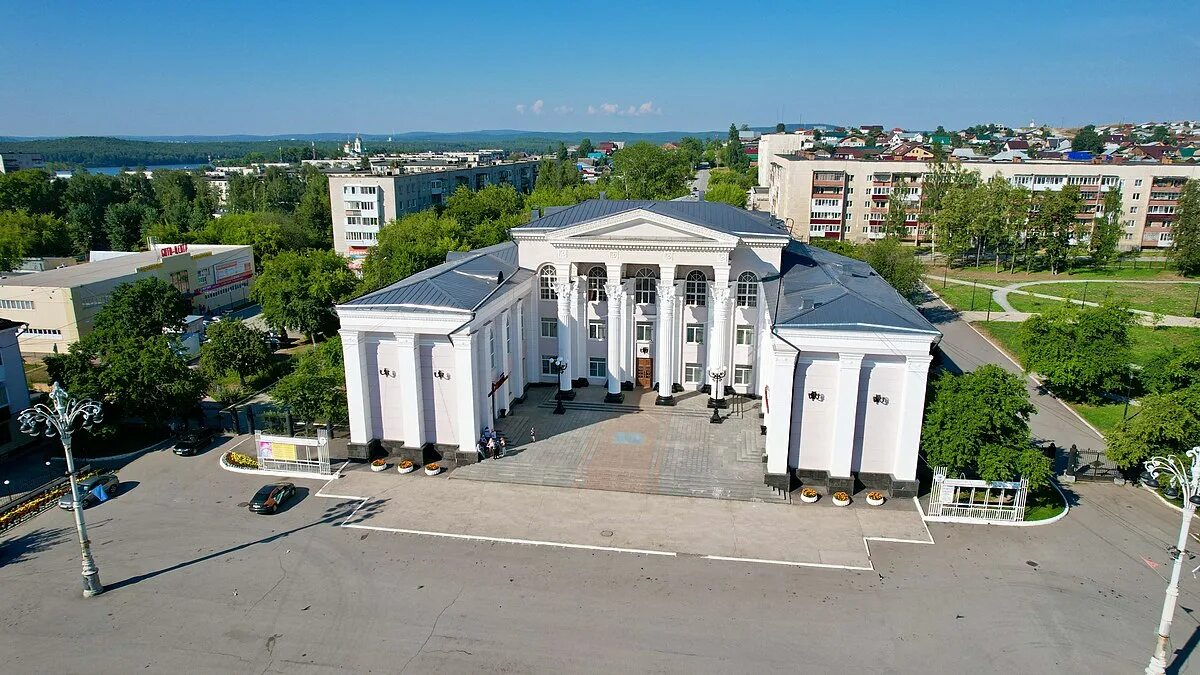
pixel 1091 465
pixel 294 454
pixel 976 501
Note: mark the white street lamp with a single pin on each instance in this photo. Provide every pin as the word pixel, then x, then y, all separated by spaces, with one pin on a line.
pixel 1187 481
pixel 59 418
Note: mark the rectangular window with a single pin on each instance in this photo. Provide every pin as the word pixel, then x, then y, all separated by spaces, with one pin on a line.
pixel 16 304
pixel 549 327
pixel 1137 182
pixel 597 367
pixel 1137 195
pixel 492 346
pixel 548 365
pixel 742 374
pixel 692 373
pixel 744 335
pixel 644 331
pixel 597 330
pixel 1133 209
pixel 695 333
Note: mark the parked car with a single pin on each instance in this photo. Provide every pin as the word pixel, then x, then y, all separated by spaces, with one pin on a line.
pixel 269 498
pixel 193 440
pixel 112 485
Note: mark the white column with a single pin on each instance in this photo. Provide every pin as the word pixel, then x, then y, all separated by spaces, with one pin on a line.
pixel 845 415
pixel 912 412
pixel 719 334
pixel 358 385
pixel 533 337
pixel 412 418
pixel 505 345
pixel 628 319
pixel 563 289
pixel 665 335
pixel 779 407
pixel 517 349
pixel 616 332
pixel 579 315
pixel 466 414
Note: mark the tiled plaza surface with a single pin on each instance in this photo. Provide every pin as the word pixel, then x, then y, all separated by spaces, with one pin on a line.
pixel 634 446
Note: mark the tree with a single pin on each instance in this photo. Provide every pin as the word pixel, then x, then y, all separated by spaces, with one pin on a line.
pixel 232 346
pixel 780 127
pixel 11 245
pixel 978 423
pixel 1004 213
pixel 409 245
pixel 150 379
pixel 938 179
pixel 896 263
pixel 728 193
pixel 1106 231
pixel 87 198
pixel 1080 353
pixel 646 171
pixel 1165 424
pixel 30 190
pixel 1055 222
pixel 895 221
pixel 734 156
pixel 1160 134
pixel 1186 248
pixel 472 208
pixel 692 149
pixel 316 390
pixel 1087 140
pixel 586 147
pixel 1172 369
pixel 555 175
pixel 140 309
pixel 267 232
pixel 954 220
pixel 298 290
pixel 124 223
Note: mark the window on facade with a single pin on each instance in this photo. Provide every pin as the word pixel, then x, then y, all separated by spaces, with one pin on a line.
pixel 695 333
pixel 1137 182
pixel 747 290
pixel 692 373
pixel 597 277
pixel 1137 195
pixel 643 287
pixel 1133 209
pixel 548 365
pixel 549 327
pixel 644 331
pixel 492 346
pixel 744 335
pixel 16 304
pixel 597 367
pixel 597 330
pixel 546 281
pixel 695 289
pixel 742 374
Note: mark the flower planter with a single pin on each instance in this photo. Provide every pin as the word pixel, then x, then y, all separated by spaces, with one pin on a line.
pixel 406 467
pixel 809 496
pixel 432 469
pixel 876 498
pixel 378 465
pixel 841 499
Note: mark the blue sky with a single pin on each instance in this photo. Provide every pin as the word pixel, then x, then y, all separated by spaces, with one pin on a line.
pixel 219 67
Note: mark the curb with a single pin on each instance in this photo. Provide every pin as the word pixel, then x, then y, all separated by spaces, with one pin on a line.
pixel 1023 523
pixel 277 474
pixel 1164 500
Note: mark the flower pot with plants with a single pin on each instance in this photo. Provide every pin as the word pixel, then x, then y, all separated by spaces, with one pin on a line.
pixel 432 469
pixel 875 498
pixel 841 499
pixel 406 466
pixel 809 495
pixel 378 464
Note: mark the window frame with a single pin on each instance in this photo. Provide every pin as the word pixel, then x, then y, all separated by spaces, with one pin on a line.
pixel 693 333
pixel 746 373
pixel 747 289
pixel 593 361
pixel 644 286
pixel 695 289
pixel 637 328
pixel 547 278
pixel 548 365
pixel 743 329
pixel 595 284
pixel 693 373
pixel 597 329
pixel 552 322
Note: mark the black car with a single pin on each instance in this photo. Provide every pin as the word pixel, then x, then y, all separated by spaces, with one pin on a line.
pixel 269 498
pixel 192 441
pixel 112 485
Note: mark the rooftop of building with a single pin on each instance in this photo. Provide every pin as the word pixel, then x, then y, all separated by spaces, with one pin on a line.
pixel 109 268
pixel 714 215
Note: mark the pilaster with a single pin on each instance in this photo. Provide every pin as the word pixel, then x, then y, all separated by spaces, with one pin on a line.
pixel 412 419
pixel 466 413
pixel 778 401
pixel 912 412
pixel 845 415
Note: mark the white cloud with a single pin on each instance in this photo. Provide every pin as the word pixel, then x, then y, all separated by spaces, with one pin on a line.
pixel 521 108
pixel 563 109
pixel 591 110
pixel 609 108
pixel 537 106
pixel 647 108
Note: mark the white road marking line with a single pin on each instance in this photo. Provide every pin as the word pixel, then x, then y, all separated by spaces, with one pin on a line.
pixel 507 540
pixel 791 563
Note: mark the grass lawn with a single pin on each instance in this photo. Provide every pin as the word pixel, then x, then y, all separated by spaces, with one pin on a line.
pixel 282 363
pixel 1105 416
pixel 1044 503
pixel 1147 342
pixel 35 373
pixel 988 275
pixel 1028 303
pixel 958 296
pixel 1173 299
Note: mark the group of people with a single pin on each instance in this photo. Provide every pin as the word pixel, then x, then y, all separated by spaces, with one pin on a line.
pixel 491 444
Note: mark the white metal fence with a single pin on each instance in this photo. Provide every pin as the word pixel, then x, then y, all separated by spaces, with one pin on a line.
pixel 294 454
pixel 976 501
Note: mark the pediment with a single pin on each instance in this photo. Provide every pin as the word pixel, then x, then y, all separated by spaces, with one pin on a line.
pixel 641 227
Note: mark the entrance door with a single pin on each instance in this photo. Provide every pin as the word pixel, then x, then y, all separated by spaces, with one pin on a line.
pixel 645 372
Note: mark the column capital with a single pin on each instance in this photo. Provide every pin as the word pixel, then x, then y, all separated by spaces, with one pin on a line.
pixel 918 364
pixel 350 337
pixel 850 360
pixel 666 290
pixel 720 293
pixel 463 340
pixel 614 290
pixel 406 339
pixel 564 290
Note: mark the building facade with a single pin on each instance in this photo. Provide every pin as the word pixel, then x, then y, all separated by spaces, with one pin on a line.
pixel 59 305
pixel 19 161
pixel 848 198
pixel 14 388
pixel 655 296
pixel 362 202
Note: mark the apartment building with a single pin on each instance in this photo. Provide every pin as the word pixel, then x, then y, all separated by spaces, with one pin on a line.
pixel 17 161
pixel 848 198
pixel 361 201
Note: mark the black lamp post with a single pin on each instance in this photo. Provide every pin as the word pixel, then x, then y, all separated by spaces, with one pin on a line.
pixel 559 367
pixel 717 375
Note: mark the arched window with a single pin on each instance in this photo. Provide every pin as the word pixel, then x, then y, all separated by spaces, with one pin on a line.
pixel 695 290
pixel 747 290
pixel 546 281
pixel 597 277
pixel 643 287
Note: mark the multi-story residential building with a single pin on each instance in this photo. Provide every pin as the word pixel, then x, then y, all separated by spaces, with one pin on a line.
pixel 17 161
pixel 848 198
pixel 361 201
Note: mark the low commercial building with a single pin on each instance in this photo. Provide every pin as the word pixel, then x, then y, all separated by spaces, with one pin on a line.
pixel 363 201
pixel 18 161
pixel 653 297
pixel 59 305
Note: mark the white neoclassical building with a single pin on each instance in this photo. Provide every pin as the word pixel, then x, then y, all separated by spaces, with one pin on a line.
pixel 646 294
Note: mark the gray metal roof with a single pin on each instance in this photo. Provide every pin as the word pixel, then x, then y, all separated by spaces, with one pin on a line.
pixel 713 215
pixel 823 290
pixel 464 282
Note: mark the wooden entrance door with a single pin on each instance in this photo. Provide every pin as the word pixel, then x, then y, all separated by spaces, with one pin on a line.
pixel 645 373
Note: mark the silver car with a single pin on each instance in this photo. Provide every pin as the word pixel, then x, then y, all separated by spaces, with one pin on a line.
pixel 112 485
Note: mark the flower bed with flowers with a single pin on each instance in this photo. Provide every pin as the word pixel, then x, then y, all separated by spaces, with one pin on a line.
pixel 19 512
pixel 241 461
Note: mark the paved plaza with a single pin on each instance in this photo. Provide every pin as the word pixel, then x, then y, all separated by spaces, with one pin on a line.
pixel 634 446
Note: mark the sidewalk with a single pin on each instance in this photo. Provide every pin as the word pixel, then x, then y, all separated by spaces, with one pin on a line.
pixel 816 535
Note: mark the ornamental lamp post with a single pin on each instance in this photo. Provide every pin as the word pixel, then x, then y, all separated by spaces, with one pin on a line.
pixel 59 417
pixel 1186 479
pixel 559 366
pixel 717 374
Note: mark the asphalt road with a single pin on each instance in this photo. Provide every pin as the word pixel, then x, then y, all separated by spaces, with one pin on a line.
pixel 197 584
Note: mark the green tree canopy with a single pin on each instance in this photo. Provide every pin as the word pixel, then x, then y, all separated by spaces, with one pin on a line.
pixel 1087 140
pixel 728 193
pixel 298 290
pixel 268 232
pixel 1165 424
pixel 1186 247
pixel 1081 353
pixel 31 190
pixel 586 147
pixel 1106 231
pixel 647 171
pixel 316 390
pixel 896 263
pixel 234 347
pixel 1055 222
pixel 413 243
pixel 140 309
pixel 124 223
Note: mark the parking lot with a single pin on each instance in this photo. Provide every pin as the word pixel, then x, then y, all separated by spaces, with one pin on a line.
pixel 196 582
